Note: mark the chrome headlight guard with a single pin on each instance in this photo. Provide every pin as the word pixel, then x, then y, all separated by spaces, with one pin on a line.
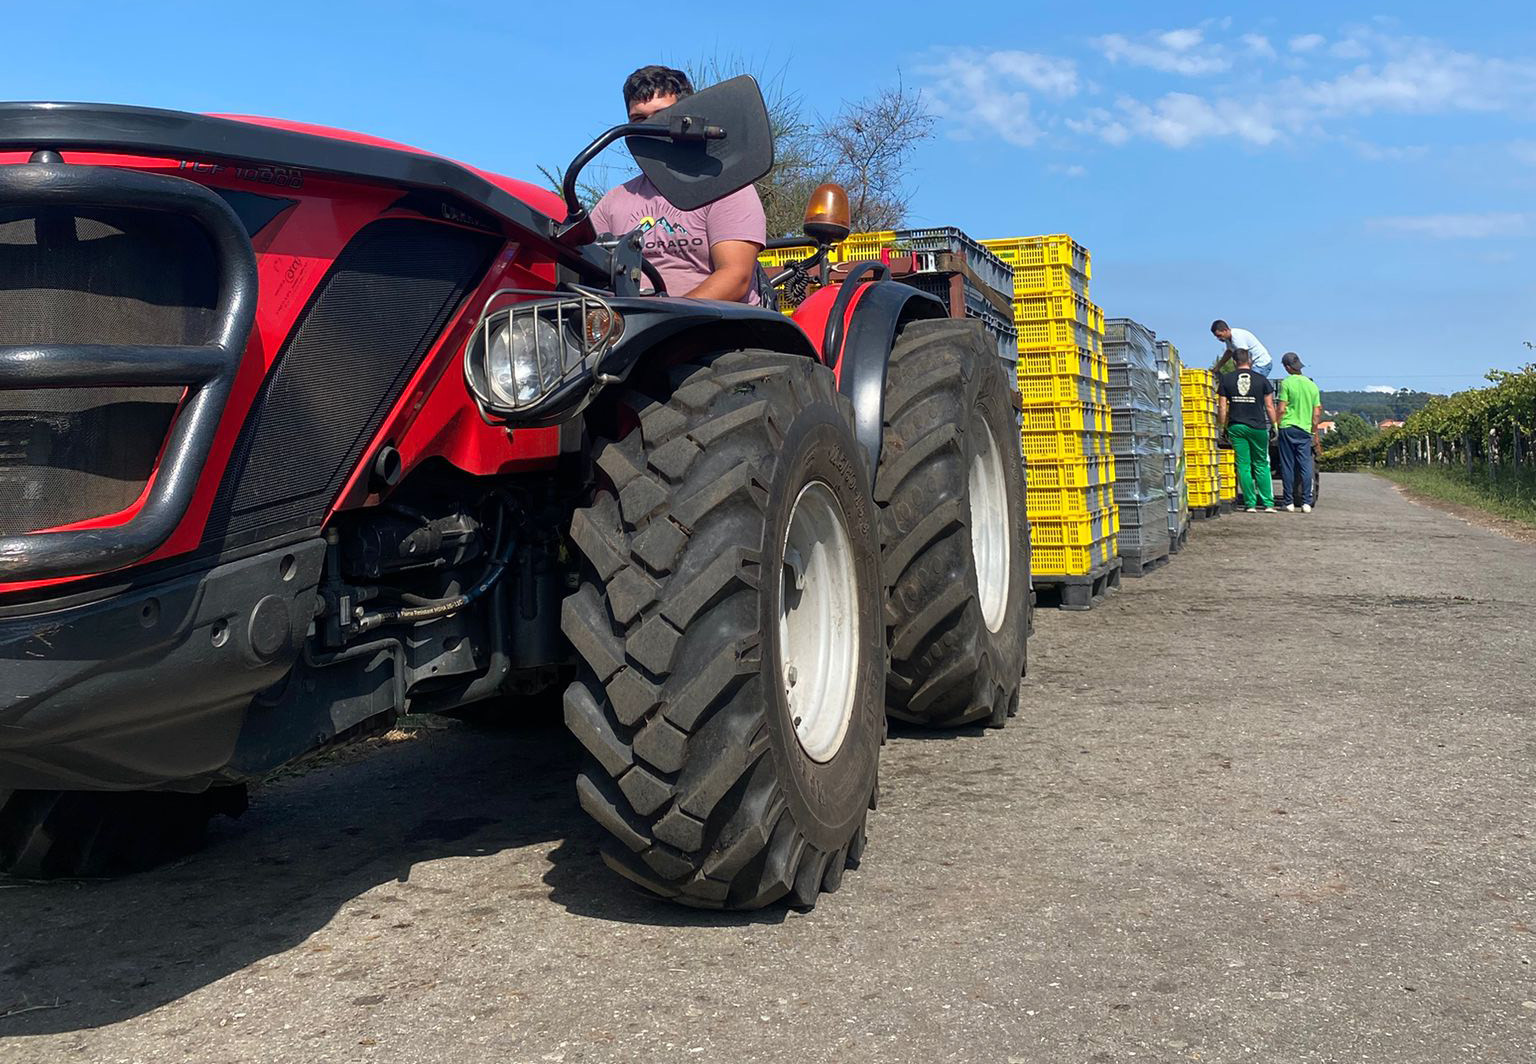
pixel 521 353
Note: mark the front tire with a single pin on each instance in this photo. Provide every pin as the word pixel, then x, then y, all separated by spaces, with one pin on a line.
pixel 734 750
pixel 49 834
pixel 954 529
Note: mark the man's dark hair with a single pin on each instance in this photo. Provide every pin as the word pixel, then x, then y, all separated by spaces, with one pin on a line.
pixel 1242 356
pixel 1215 325
pixel 649 82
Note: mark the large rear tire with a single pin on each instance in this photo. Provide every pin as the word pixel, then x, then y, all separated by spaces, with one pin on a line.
pixel 954 529
pixel 49 834
pixel 729 621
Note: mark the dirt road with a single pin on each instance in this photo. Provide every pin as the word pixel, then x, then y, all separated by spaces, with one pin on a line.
pixel 1275 802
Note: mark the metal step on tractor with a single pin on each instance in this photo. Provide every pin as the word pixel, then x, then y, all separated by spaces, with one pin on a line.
pixel 301 430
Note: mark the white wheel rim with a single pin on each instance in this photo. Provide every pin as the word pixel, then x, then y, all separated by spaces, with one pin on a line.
pixel 818 622
pixel 991 541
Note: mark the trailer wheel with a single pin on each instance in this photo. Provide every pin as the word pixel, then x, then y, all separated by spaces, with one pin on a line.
pixel 48 834
pixel 954 530
pixel 729 622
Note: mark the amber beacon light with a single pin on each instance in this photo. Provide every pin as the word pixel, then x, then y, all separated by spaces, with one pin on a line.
pixel 827 215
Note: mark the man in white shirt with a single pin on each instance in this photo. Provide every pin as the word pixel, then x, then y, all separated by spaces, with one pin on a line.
pixel 1243 340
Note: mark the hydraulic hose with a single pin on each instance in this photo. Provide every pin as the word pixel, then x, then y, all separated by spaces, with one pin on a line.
pixel 419 610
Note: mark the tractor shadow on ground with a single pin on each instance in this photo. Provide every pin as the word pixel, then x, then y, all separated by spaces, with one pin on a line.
pixel 303 857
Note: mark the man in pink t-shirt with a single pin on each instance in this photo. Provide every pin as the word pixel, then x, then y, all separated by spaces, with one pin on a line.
pixel 709 253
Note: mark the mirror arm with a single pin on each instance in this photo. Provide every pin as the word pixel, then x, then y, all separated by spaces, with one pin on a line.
pixel 680 128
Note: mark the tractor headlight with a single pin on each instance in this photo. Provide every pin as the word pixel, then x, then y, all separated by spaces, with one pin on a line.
pixel 521 354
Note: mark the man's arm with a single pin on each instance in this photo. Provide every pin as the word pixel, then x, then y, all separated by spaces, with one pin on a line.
pixel 1269 401
pixel 1221 414
pixel 734 263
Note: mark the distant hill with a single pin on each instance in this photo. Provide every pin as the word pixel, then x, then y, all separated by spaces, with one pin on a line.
pixel 1376 406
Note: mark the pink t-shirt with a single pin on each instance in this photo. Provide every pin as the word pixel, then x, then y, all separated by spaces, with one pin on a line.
pixel 677 242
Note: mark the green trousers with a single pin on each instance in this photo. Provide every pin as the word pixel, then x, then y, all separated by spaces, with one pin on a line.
pixel 1252 448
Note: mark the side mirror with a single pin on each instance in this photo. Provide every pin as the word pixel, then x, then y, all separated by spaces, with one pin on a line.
pixel 693 172
pixel 827 218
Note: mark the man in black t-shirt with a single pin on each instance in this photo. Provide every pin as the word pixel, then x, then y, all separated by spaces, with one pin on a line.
pixel 1243 398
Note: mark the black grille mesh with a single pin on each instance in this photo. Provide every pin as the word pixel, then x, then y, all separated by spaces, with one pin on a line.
pixel 366 330
pixel 100 277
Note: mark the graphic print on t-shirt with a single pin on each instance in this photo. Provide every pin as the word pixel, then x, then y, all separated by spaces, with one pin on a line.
pixel 1245 391
pixel 672 234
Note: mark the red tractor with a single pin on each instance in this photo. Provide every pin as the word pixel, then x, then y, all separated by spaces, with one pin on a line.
pixel 301 430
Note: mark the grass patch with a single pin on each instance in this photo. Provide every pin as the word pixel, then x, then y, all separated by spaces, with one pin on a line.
pixel 1507 493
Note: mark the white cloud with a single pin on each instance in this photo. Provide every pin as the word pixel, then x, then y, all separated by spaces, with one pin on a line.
pixel 1377 153
pixel 1387 388
pixel 1524 151
pixel 1479 226
pixel 1258 45
pixel 1068 169
pixel 1348 48
pixel 991 92
pixel 1015 96
pixel 1172 52
pixel 1178 119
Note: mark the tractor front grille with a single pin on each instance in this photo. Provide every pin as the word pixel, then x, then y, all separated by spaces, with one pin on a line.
pixel 374 317
pixel 92 276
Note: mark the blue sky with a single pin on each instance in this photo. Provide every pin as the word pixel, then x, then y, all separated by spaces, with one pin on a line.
pixel 1351 182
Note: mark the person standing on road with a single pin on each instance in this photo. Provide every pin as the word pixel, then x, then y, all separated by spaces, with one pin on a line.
pixel 1243 340
pixel 1301 408
pixel 1243 399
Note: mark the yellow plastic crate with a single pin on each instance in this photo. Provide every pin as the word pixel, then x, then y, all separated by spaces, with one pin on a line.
pixel 1066 417
pixel 1072 561
pixel 1038 389
pixel 1048 280
pixel 862 246
pixel 1081 531
pixel 1046 504
pixel 1054 249
pixel 778 258
pixel 1068 306
pixel 1063 444
pixel 1053 335
pixel 1085 472
pixel 1199 379
pixel 1198 497
pixel 1065 360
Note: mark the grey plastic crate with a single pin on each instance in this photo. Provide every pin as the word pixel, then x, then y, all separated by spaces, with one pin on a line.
pixel 1144 513
pixel 992 270
pixel 976 306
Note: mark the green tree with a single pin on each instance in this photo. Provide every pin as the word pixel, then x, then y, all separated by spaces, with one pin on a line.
pixel 1348 429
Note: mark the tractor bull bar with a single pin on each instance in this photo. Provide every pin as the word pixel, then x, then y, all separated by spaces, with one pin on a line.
pixel 207 371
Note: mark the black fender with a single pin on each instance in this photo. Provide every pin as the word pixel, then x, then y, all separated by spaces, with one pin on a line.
pixel 880 314
pixel 650 321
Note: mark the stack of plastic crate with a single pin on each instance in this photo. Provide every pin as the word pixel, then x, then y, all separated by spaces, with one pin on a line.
pixel 1065 422
pixel 1175 482
pixel 1139 444
pixel 1202 464
pixel 964 275
pixel 1230 494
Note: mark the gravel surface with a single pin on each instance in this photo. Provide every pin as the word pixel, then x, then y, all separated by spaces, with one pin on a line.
pixel 1272 802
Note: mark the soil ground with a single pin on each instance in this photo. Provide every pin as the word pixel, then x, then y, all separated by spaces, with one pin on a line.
pixel 1273 802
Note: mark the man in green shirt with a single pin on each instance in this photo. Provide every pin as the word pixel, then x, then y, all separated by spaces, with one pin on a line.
pixel 1301 407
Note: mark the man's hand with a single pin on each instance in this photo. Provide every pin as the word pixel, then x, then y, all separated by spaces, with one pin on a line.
pixel 734 262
